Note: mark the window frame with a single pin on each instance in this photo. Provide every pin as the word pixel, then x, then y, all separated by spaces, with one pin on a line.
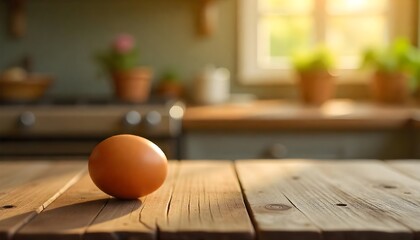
pixel 402 15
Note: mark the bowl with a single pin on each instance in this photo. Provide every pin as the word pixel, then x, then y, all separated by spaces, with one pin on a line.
pixel 31 88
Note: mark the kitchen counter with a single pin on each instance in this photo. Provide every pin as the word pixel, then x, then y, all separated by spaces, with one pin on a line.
pixel 204 200
pixel 339 129
pixel 277 115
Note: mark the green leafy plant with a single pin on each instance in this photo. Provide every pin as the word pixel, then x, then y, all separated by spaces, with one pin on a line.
pixel 399 56
pixel 122 55
pixel 319 58
pixel 170 76
pixel 313 70
pixel 170 85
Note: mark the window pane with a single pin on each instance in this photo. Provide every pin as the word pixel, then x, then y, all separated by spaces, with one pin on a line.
pixel 280 36
pixel 287 6
pixel 352 6
pixel 348 36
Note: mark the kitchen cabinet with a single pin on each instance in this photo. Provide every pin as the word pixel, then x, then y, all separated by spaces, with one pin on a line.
pixel 276 129
pixel 417 144
pixel 416 132
pixel 382 144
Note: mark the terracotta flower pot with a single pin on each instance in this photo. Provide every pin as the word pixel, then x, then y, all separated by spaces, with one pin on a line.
pixel 170 90
pixel 316 87
pixel 390 88
pixel 133 85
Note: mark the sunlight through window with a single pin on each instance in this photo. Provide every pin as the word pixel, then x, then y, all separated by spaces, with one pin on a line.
pixel 286 26
pixel 273 30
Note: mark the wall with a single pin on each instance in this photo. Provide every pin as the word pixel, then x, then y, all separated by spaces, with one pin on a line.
pixel 62 37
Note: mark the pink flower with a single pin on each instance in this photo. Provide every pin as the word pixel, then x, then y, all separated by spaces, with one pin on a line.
pixel 123 43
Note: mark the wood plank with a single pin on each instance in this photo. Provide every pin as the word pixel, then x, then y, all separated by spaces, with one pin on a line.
pixel 141 218
pixel 206 204
pixel 275 216
pixel 339 212
pixel 380 186
pixel 69 215
pixel 408 167
pixel 31 195
pixel 15 173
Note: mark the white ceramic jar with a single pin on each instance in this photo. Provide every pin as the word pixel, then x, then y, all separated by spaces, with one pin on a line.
pixel 212 86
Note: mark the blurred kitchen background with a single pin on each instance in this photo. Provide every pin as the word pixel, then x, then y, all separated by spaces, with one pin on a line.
pixel 185 37
pixel 62 38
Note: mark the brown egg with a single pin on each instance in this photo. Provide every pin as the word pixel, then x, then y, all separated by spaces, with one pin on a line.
pixel 127 166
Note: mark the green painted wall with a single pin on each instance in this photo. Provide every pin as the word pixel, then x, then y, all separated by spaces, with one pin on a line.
pixel 62 37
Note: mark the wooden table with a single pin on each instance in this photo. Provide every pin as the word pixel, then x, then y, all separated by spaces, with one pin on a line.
pixel 249 199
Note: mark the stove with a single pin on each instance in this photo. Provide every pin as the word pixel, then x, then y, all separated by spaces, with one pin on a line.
pixel 72 127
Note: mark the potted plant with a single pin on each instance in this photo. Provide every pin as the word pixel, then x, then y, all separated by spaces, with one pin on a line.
pixel 120 61
pixel 394 71
pixel 170 85
pixel 315 81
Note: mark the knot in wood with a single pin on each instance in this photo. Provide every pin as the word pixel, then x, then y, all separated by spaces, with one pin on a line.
pixel 7 206
pixel 277 207
pixel 388 186
pixel 341 204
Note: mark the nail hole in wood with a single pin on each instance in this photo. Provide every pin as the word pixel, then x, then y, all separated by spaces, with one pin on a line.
pixel 295 177
pixel 389 186
pixel 341 204
pixel 8 206
pixel 277 207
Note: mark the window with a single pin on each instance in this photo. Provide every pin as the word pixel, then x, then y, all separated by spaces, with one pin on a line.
pixel 272 30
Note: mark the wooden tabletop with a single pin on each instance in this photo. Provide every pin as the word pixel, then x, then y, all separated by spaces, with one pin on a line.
pixel 279 114
pixel 203 200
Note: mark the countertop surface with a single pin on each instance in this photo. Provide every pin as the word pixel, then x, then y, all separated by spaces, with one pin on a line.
pixel 206 200
pixel 278 114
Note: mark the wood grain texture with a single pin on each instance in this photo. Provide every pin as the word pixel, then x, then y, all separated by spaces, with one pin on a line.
pixel 380 187
pixel 69 215
pixel 24 197
pixel 342 209
pixel 14 174
pixel 141 216
pixel 206 204
pixel 408 167
pixel 202 200
pixel 276 217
